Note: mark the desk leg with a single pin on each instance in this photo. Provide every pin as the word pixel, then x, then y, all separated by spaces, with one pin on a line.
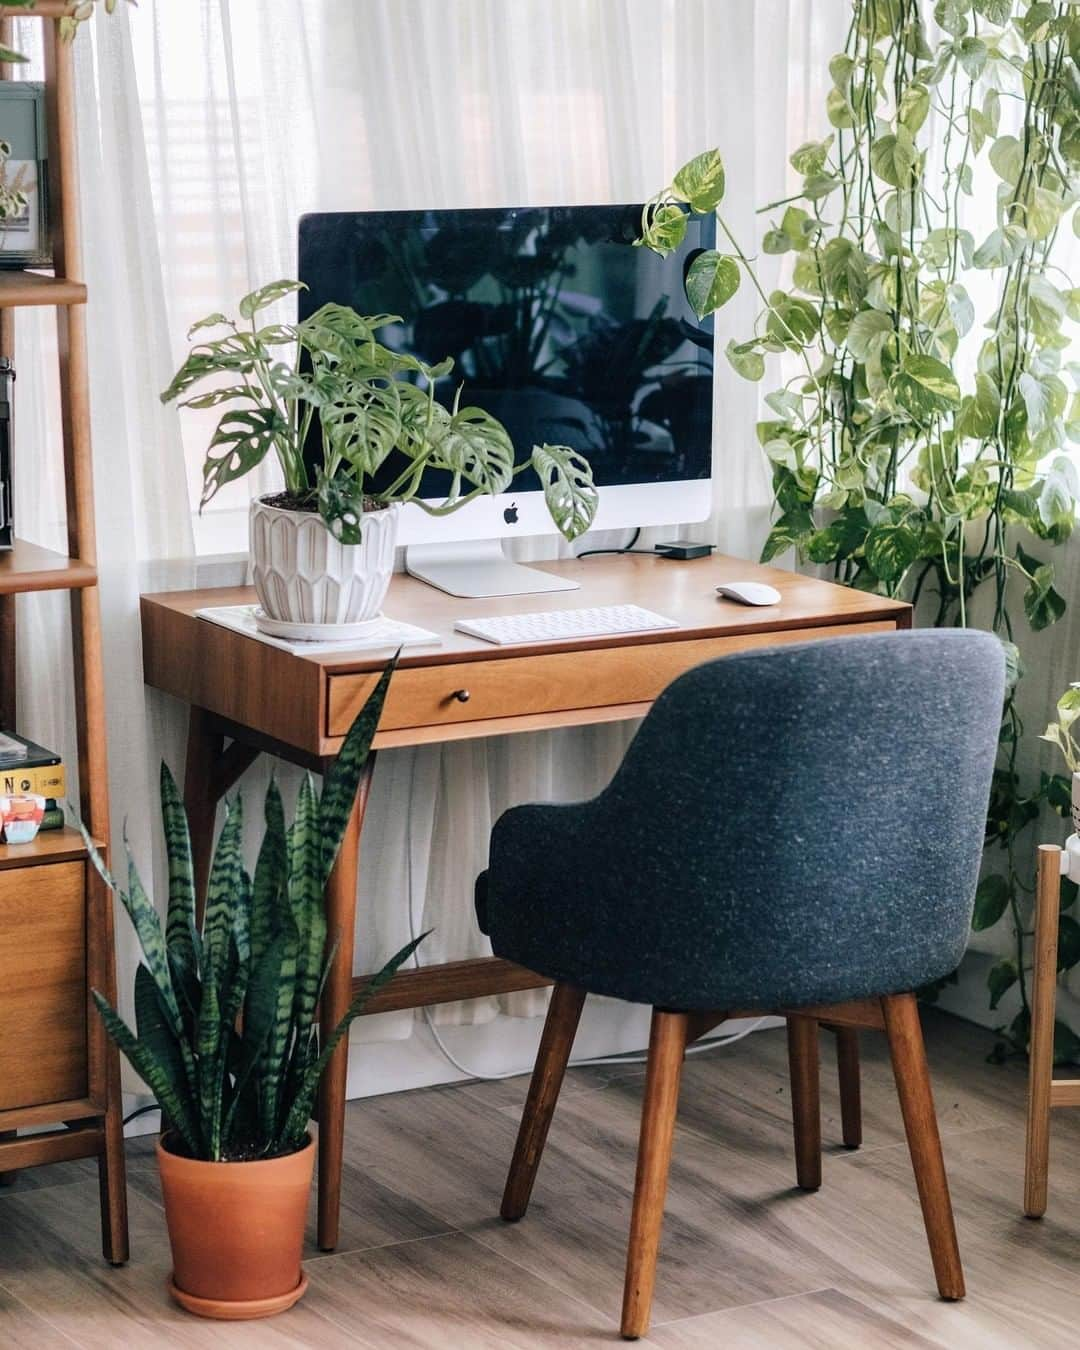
pixel 337 995
pixel 204 747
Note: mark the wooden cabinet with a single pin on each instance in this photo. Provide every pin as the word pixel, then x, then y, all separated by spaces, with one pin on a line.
pixel 42 984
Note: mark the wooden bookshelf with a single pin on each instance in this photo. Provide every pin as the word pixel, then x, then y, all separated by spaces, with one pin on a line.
pixel 58 1068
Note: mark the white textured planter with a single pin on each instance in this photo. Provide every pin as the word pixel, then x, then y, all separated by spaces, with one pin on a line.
pixel 1076 803
pixel 303 575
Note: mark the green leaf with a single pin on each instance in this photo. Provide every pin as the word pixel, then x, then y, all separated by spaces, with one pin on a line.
pixel 711 280
pixel 211 321
pixel 701 182
pixel 180 918
pixel 242 440
pixel 991 901
pixel 1034 26
pixel 924 386
pixel 343 776
pixel 1042 603
pixel 745 359
pixel 961 309
pixel 810 157
pixel 914 106
pixel 1068 952
pixel 221 890
pixel 268 295
pixel 1007 158
pixel 144 918
pixel 299 1113
pixel 154 1074
pixel 1058 499
pixel 1066 1045
pixel 971 52
pixel 952 16
pixel 869 330
pixel 475 446
pixel 1002 976
pixel 341 506
pixel 788 532
pixel 895 160
pixel 890 550
pixel 569 491
pixel 1000 247
pixel 997 12
pixel 665 228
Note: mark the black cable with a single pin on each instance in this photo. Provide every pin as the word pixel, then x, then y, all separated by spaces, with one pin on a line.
pixel 142 1111
pixel 629 548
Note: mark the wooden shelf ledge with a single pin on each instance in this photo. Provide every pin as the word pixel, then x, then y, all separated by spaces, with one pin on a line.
pixel 19 288
pixel 28 567
pixel 50 846
pixel 42 9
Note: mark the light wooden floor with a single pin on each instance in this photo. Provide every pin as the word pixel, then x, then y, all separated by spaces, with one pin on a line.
pixel 747 1261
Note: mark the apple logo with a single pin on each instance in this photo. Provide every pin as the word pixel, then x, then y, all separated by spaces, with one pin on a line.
pixel 510 515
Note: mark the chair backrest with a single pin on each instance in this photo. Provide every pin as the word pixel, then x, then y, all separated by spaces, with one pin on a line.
pixel 805 823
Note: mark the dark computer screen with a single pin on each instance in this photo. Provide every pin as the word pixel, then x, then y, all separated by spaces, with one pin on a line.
pixel 556 325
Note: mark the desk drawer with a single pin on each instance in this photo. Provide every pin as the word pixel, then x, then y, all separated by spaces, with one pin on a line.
pixel 524 686
pixel 42 984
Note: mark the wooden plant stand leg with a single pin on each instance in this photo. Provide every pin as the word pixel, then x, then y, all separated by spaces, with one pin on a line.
pixel 560 1028
pixel 667 1042
pixel 904 1030
pixel 847 1064
pixel 337 995
pixel 804 1065
pixel 1041 1052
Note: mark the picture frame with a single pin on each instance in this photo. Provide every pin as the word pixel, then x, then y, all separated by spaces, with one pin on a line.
pixel 24 214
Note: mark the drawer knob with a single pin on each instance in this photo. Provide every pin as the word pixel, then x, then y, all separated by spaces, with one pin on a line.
pixel 462 695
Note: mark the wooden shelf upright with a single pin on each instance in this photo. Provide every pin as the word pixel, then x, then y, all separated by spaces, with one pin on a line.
pixel 57 1066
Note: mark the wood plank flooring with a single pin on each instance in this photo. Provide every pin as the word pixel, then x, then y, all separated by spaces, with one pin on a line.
pixel 746 1259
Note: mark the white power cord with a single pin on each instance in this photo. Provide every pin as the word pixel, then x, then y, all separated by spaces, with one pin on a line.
pixel 630 1057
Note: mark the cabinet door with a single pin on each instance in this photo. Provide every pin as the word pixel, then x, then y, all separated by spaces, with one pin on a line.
pixel 42 984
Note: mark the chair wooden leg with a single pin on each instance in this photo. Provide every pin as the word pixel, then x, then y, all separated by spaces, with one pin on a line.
pixel 908 1053
pixel 847 1063
pixel 667 1041
pixel 804 1064
pixel 564 1013
pixel 1041 1052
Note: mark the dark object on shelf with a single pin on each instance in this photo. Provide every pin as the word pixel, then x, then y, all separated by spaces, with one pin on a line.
pixel 684 549
pixel 7 499
pixel 37 770
pixel 24 229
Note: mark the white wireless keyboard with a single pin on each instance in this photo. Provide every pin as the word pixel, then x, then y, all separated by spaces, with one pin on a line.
pixel 557 625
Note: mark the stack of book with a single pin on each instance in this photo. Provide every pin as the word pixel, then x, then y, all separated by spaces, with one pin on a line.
pixel 27 768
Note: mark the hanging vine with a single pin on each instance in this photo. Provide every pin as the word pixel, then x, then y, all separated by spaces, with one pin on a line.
pixel 912 452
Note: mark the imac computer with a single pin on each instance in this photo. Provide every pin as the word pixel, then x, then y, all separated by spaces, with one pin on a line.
pixel 561 330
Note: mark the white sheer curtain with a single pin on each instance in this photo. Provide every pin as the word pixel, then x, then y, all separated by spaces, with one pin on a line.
pixel 206 129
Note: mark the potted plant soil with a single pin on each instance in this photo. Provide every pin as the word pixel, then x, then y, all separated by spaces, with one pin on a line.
pixel 226 1035
pixel 323 549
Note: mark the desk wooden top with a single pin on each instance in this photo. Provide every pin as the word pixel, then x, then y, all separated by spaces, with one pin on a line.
pixel 284 694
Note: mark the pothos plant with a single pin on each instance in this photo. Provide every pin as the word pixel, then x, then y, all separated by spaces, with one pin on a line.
pixel 69 23
pixel 368 401
pixel 914 441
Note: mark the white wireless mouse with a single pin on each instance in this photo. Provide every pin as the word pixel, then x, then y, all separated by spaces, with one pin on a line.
pixel 749 592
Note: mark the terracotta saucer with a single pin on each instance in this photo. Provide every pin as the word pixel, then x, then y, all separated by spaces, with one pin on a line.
pixel 241 1310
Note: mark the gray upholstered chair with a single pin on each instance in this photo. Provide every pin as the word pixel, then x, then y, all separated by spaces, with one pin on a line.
pixel 797 829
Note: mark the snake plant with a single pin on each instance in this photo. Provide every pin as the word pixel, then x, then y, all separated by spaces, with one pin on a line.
pixel 225 1012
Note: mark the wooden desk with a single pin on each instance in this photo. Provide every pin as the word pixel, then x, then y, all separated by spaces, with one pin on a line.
pixel 247 697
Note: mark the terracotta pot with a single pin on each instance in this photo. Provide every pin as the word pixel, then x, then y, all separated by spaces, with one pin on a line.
pixel 236 1231
pixel 303 575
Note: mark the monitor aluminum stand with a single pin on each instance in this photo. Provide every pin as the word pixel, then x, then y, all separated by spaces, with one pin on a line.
pixel 478 569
